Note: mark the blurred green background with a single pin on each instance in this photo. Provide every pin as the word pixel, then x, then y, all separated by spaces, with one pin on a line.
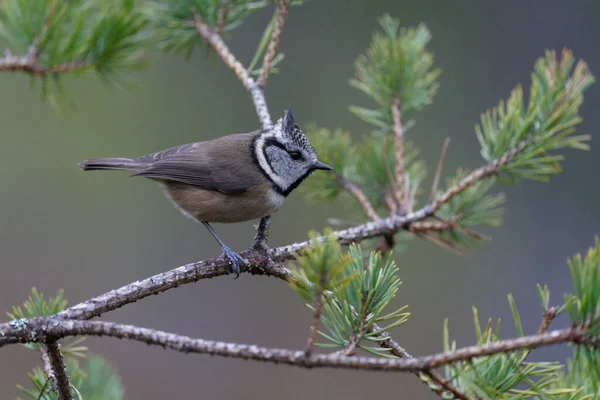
pixel 89 233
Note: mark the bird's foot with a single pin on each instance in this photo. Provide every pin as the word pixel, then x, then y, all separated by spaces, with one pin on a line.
pixel 235 259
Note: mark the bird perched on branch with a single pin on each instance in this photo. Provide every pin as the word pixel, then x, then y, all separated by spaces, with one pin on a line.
pixel 234 178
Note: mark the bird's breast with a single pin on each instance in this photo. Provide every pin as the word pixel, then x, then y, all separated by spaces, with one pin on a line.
pixel 204 205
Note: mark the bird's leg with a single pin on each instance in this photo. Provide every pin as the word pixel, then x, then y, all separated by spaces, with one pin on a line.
pixel 231 255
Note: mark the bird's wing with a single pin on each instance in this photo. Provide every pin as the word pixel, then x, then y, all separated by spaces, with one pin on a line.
pixel 216 165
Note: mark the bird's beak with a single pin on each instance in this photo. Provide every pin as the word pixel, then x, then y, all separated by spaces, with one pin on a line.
pixel 323 166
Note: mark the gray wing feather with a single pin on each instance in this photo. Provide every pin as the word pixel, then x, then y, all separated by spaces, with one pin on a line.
pixel 214 165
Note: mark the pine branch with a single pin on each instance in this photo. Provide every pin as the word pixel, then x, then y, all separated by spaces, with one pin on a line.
pixel 56 370
pixel 399 154
pixel 273 43
pixel 52 329
pixel 60 38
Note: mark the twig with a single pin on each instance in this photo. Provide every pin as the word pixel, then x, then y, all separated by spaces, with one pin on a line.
pixel 439 241
pixel 43 389
pixel 547 320
pixel 273 43
pixel 399 153
pixel 349 348
pixel 56 370
pixel 223 16
pixel 442 225
pixel 444 385
pixel 219 46
pixel 318 306
pixel 28 64
pixel 23 331
pixel 477 175
pixel 360 196
pixel 438 171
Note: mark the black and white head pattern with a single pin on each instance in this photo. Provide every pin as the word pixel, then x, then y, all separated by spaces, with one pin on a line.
pixel 284 154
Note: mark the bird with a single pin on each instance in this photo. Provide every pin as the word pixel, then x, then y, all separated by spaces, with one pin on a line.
pixel 229 179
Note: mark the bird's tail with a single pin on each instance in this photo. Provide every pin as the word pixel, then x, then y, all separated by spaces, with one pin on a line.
pixel 115 164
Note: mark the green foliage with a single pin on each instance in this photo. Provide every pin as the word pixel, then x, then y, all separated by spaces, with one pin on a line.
pixel 395 66
pixel 98 381
pixel 583 307
pixel 584 304
pixel 337 150
pixel 504 375
pixel 101 381
pixel 473 207
pixel 107 37
pixel 353 309
pixel 38 306
pixel 357 294
pixel 376 172
pixel 369 164
pixel 510 376
pixel 544 125
pixel 173 20
pixel 321 267
pixel 579 376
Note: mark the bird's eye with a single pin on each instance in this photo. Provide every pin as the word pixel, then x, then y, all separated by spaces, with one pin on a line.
pixel 296 155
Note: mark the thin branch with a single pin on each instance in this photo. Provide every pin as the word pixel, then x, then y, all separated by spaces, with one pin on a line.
pixel 442 225
pixel 547 320
pixel 56 370
pixel 443 385
pixel 274 42
pixel 350 347
pixel 43 389
pixel 318 307
pixel 360 196
pixel 31 330
pixel 399 153
pixel 439 241
pixel 438 171
pixel 477 175
pixel 223 16
pixel 29 65
pixel 222 50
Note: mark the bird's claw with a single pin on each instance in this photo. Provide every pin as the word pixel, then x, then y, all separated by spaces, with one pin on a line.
pixel 235 259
